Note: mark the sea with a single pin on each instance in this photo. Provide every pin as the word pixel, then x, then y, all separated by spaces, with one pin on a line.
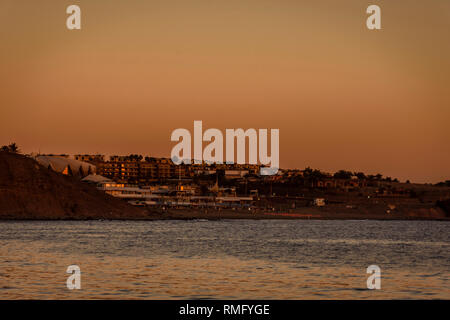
pixel 225 259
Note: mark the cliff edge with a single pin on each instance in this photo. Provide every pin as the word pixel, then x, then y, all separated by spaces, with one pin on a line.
pixel 30 191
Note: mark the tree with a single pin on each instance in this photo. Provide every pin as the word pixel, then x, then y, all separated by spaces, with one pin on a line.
pixel 443 184
pixel 307 172
pixel 13 148
pixel 360 175
pixel 343 174
pixel 313 174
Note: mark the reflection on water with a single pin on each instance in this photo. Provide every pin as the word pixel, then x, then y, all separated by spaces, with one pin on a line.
pixel 239 259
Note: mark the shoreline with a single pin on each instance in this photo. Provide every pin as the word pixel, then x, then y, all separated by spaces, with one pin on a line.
pixel 236 216
pixel 36 193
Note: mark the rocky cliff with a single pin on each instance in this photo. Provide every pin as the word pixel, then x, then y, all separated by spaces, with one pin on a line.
pixel 31 191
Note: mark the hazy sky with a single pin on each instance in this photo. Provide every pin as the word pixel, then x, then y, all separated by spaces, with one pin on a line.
pixel 343 97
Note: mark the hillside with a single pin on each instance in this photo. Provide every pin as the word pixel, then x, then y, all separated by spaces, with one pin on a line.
pixel 445 206
pixel 31 191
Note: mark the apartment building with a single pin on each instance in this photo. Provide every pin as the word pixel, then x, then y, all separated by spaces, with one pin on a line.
pixel 128 170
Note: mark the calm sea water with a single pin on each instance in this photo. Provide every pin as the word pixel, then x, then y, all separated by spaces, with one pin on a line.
pixel 234 259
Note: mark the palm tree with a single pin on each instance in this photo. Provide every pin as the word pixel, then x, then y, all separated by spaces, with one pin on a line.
pixel 13 147
pixel 10 148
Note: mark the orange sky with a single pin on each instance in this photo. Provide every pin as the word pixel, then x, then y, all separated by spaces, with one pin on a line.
pixel 341 95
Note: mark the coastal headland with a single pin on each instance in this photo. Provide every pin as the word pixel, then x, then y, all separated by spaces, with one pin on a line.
pixel 31 191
